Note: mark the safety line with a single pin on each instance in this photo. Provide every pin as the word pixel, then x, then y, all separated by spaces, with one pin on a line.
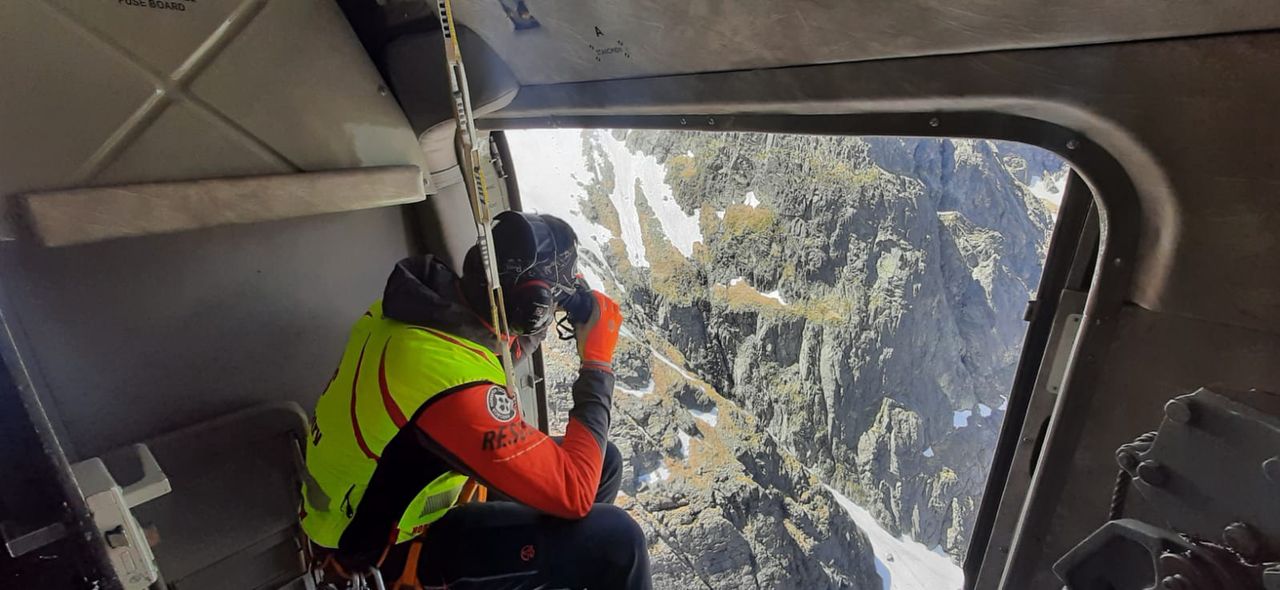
pixel 477 189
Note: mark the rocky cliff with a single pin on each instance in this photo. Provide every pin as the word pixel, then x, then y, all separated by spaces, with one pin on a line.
pixel 801 311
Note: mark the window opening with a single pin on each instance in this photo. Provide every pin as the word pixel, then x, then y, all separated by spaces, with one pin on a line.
pixel 821 334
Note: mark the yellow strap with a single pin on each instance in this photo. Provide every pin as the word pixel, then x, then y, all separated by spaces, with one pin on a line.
pixel 477 189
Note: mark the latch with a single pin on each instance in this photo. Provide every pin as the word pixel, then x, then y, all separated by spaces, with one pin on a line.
pixel 126 541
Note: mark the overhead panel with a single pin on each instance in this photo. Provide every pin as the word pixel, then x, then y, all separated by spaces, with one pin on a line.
pixel 174 29
pixel 135 91
pixel 154 156
pixel 299 79
pixel 74 94
pixel 579 41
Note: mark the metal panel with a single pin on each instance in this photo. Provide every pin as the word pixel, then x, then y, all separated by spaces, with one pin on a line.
pixel 161 38
pixel 118 92
pixel 40 495
pixel 612 39
pixel 134 337
pixel 166 151
pixel 296 77
pixel 65 95
pixel 413 66
pixel 1155 356
pixel 235 484
pixel 1062 349
pixel 1023 464
pixel 126 339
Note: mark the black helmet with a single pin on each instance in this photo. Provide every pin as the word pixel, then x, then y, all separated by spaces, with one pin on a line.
pixel 537 262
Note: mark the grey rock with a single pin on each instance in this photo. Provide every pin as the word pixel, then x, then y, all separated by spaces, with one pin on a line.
pixel 904 264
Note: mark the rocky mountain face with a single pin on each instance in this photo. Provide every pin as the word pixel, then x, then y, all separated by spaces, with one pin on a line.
pixel 802 312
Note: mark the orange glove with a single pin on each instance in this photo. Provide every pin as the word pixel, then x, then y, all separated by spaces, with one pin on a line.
pixel 598 337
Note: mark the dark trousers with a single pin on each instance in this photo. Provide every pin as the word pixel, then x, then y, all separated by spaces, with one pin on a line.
pixel 506 545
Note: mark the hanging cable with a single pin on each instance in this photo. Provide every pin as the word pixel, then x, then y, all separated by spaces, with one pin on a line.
pixel 477 190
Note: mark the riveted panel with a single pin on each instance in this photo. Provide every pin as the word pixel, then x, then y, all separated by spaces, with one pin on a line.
pixel 65 94
pixel 296 78
pixel 161 34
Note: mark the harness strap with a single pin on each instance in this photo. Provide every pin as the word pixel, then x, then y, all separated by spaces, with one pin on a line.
pixel 408 579
pixel 472 491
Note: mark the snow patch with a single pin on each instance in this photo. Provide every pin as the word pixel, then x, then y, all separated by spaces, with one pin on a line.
pixel 631 167
pixel 1004 403
pixel 928 452
pixel 552 170
pixel 984 410
pixel 1048 188
pixel 688 153
pixel 643 391
pixel 903 564
pixel 882 570
pixel 751 200
pixel 720 214
pixel 592 277
pixel 670 363
pixel 774 294
pixel 711 418
pixel 960 418
pixel 623 195
pixel 655 476
pixel 685 441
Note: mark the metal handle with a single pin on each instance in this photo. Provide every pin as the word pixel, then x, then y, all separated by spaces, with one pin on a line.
pixel 19 544
pixel 154 482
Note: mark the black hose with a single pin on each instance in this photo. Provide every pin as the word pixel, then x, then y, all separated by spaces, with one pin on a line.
pixel 1118 494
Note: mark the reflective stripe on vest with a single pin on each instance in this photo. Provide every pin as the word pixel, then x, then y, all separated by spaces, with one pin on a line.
pixel 388 370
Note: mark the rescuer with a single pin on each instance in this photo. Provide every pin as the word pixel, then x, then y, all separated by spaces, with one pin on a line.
pixel 418 407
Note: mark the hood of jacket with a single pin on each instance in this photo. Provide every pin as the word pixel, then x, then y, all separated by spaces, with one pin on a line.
pixel 424 291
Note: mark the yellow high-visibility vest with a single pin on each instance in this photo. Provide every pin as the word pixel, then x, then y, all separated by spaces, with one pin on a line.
pixel 388 370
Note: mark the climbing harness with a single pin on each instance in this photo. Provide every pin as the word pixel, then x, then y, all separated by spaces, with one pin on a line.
pixel 369 581
pixel 409 580
pixel 477 189
pixel 366 580
pixel 472 491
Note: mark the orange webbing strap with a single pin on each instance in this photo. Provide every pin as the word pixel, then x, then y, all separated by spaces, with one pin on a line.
pixel 472 491
pixel 408 579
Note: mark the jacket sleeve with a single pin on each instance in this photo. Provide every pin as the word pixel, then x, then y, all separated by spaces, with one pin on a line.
pixel 481 432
